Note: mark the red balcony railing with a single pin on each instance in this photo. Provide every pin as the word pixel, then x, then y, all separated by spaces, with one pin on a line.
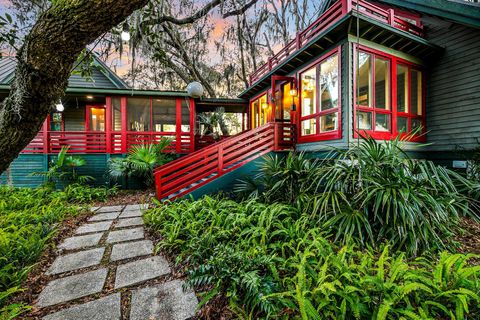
pixel 328 18
pixel 101 142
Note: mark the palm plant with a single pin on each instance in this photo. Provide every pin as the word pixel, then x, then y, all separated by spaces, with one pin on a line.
pixel 374 191
pixel 141 161
pixel 280 179
pixel 64 168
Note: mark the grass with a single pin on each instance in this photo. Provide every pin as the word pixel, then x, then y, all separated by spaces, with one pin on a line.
pixel 28 221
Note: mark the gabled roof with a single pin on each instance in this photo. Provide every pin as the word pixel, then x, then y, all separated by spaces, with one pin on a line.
pixel 102 76
pixel 460 11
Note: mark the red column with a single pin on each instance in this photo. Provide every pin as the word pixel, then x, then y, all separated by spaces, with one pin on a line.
pixel 192 125
pixel 123 112
pixel 178 126
pixel 46 138
pixel 108 124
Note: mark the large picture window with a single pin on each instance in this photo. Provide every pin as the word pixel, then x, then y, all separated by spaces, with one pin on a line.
pixel 389 96
pixel 320 100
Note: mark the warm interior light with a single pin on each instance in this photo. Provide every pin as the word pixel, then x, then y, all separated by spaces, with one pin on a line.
pixel 90 97
pixel 293 92
pixel 264 105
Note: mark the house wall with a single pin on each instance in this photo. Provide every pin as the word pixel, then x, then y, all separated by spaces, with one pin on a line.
pixel 453 95
pixel 74 118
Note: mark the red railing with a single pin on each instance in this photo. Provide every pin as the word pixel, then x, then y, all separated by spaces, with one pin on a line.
pixel 101 142
pixel 328 18
pixel 190 172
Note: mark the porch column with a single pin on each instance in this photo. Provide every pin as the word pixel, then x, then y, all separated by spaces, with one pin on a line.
pixel 123 112
pixel 46 138
pixel 108 124
pixel 178 126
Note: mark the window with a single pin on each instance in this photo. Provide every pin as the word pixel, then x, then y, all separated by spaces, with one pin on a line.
pixel 56 121
pixel 164 114
pixel 138 114
pixel 383 110
pixel 319 100
pixel 259 111
pixel 116 114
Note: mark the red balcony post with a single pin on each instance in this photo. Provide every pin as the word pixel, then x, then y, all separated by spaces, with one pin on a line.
pixel 298 40
pixel 123 112
pixel 269 64
pixel 346 6
pixel 46 140
pixel 108 124
pixel 391 17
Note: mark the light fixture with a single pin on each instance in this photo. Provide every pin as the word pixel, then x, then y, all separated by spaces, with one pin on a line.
pixel 293 92
pixel 195 89
pixel 89 97
pixel 125 35
pixel 59 106
pixel 264 105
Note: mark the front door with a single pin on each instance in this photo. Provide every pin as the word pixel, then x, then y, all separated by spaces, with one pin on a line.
pixel 95 118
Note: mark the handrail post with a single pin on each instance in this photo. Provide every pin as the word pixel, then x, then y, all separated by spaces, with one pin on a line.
pixel 391 17
pixel 346 6
pixel 275 136
pixel 269 64
pixel 220 159
pixel 298 40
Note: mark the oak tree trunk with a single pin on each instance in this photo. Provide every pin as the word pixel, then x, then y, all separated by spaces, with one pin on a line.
pixel 44 65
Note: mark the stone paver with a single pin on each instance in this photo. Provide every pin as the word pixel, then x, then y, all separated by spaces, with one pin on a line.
pixel 129 250
pixel 93 209
pixel 94 227
pixel 106 308
pixel 125 235
pixel 167 301
pixel 109 209
pixel 131 214
pixel 130 207
pixel 129 222
pixel 140 270
pixel 80 242
pixel 77 260
pixel 105 216
pixel 72 287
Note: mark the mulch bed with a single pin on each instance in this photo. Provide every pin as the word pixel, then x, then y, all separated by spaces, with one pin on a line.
pixel 470 239
pixel 128 197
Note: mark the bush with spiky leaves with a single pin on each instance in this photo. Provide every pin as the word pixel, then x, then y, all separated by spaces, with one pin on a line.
pixel 374 192
pixel 141 161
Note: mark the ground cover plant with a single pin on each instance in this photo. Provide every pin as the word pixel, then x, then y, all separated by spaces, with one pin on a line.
pixel 28 221
pixel 274 261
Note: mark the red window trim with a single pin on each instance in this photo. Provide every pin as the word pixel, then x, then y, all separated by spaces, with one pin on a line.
pixel 330 135
pixel 252 116
pixel 393 133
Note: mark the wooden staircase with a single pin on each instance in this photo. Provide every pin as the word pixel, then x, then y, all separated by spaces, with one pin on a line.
pixel 184 175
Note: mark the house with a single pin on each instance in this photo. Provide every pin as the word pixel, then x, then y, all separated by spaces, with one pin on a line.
pixel 380 67
pixel 102 117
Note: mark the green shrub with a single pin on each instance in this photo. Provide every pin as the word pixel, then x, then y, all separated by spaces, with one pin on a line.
pixel 141 161
pixel 273 261
pixel 28 221
pixel 375 192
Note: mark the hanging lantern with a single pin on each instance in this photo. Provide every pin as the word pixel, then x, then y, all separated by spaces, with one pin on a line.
pixel 195 89
pixel 59 106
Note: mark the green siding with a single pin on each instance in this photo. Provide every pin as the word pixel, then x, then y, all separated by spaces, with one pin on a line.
pixel 74 118
pixel 453 98
pixel 18 174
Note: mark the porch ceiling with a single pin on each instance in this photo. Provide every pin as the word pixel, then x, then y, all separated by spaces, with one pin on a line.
pixel 368 29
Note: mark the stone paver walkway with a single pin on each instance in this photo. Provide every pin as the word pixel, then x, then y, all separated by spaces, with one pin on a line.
pixel 107 270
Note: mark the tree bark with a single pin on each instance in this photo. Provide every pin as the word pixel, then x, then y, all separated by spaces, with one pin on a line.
pixel 44 65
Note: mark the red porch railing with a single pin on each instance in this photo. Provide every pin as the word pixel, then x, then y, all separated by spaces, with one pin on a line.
pixel 328 18
pixel 97 142
pixel 188 173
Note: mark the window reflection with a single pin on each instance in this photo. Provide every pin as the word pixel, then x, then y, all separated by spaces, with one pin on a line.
pixel 138 114
pixel 329 83
pixel 309 80
pixel 364 80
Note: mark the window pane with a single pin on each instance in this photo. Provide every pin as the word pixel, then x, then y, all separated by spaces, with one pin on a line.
pixel 117 115
pixel 402 124
pixel 97 119
pixel 364 120
pixel 309 92
pixel 287 102
pixel 185 115
pixel 382 122
pixel 416 124
pixel 402 88
pixel 382 84
pixel 329 83
pixel 138 112
pixel 264 110
pixel 254 113
pixel 164 115
pixel 309 127
pixel 416 95
pixel 364 80
pixel 329 122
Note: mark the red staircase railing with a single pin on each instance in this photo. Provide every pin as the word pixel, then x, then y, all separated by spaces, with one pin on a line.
pixel 190 172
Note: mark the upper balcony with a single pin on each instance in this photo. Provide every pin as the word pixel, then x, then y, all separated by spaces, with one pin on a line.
pixel 374 23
